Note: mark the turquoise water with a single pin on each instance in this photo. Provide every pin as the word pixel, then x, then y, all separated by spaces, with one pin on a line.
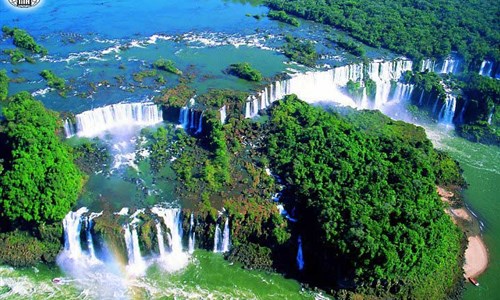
pixel 208 276
pixel 481 165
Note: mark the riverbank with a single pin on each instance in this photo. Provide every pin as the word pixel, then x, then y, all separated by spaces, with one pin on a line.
pixel 476 253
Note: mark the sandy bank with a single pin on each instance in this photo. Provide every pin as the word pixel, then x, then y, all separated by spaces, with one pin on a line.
pixel 476 254
pixel 476 257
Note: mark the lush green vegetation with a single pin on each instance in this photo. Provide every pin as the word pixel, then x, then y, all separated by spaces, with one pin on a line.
pixel 17 55
pixel 176 97
pixel 39 183
pixel 301 51
pixel 413 28
pixel 4 85
pixel 92 156
pixel 244 71
pixel 23 40
pixel 282 16
pixel 481 118
pixel 365 198
pixel 54 82
pixel 349 45
pixel 166 65
pixel 139 76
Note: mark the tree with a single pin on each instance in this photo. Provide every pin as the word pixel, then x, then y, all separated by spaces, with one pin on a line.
pixel 366 201
pixel 40 182
pixel 4 85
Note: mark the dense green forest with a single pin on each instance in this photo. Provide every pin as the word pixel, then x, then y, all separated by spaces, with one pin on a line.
pixel 39 182
pixel 417 29
pixel 365 199
pixel 244 71
pixel 481 102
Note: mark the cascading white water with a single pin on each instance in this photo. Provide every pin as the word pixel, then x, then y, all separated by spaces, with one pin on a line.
pixel 191 120
pixel 161 241
pixel 226 239
pixel 95 122
pixel 72 224
pixel 326 86
pixel 192 235
pixel 88 232
pixel 217 238
pixel 486 68
pixel 450 65
pixel 184 117
pixel 402 93
pixel 428 65
pixel 490 116
pixel 200 124
pixel 222 238
pixel 448 110
pixel 69 129
pixel 136 264
pixel 223 115
pixel 383 73
pixel 173 259
pixel 300 256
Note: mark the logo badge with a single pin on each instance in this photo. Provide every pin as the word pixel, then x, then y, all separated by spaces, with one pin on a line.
pixel 24 3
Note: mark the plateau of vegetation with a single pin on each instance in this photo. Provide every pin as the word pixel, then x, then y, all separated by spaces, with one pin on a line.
pixel 39 182
pixel 481 102
pixel 4 85
pixel 244 71
pixel 415 29
pixel 166 65
pixel 366 203
pixel 282 16
pixel 23 40
pixel 349 45
pixel 54 81
pixel 301 51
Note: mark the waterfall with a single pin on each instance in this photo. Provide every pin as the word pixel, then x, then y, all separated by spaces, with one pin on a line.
pixel 428 65
pixel 327 86
pixel 200 124
pixel 217 238
pixel 383 73
pixel 402 93
pixel 300 257
pixel 450 65
pixel 94 122
pixel 448 110
pixel 226 237
pixel 184 117
pixel 486 68
pixel 222 239
pixel 161 241
pixel 191 120
pixel 490 116
pixel 69 128
pixel 223 115
pixel 72 224
pixel 88 232
pixel 462 112
pixel 192 234
pixel 173 259
pixel 136 264
pixel 248 112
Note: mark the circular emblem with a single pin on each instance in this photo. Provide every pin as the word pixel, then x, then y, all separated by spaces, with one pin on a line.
pixel 24 3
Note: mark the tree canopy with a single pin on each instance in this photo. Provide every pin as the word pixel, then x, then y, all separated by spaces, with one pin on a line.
pixel 413 28
pixel 365 199
pixel 40 182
